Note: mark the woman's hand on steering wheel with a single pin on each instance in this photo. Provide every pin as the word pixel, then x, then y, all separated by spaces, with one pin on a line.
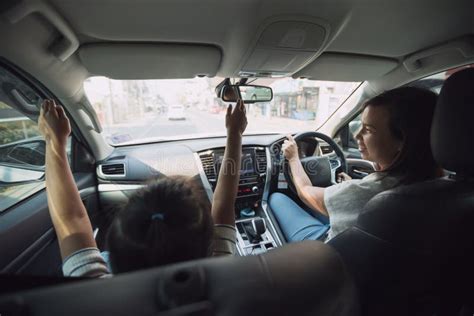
pixel 290 148
pixel 322 170
pixel 342 176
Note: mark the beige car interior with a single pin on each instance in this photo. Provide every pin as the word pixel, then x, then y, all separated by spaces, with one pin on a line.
pixel 382 43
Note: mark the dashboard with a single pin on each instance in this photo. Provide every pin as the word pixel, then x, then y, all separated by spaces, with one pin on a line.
pixel 128 168
pixel 138 163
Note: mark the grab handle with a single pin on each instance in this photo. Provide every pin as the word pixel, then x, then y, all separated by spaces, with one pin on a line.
pixel 62 49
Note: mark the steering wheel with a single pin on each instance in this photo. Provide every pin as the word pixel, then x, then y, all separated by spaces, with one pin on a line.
pixel 320 170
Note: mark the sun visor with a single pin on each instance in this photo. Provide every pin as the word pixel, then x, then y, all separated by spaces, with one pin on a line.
pixel 346 67
pixel 150 61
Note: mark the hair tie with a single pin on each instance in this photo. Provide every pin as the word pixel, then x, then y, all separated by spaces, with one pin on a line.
pixel 157 216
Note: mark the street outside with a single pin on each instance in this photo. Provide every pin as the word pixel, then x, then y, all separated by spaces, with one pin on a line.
pixel 136 110
pixel 199 122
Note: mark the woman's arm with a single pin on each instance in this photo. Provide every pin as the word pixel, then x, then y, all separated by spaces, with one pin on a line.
pixel 312 196
pixel 71 222
pixel 228 179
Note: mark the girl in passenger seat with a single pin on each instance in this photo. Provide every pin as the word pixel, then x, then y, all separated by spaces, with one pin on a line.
pixel 170 220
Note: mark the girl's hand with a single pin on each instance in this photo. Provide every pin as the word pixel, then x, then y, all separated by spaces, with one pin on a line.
pixel 236 120
pixel 53 124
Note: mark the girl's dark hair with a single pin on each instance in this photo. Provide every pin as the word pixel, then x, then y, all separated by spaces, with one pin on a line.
pixel 168 221
pixel 411 112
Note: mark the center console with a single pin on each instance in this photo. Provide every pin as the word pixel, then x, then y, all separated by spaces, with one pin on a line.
pixel 255 230
pixel 253 236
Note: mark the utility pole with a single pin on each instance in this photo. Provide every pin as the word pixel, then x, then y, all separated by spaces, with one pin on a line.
pixel 110 112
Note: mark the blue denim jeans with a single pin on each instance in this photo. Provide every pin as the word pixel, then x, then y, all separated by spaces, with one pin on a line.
pixel 106 256
pixel 296 223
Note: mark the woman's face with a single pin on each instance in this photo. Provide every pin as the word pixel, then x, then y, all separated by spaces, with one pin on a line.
pixel 375 140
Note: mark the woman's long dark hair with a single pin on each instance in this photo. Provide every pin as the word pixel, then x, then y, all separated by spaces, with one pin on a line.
pixel 168 221
pixel 411 112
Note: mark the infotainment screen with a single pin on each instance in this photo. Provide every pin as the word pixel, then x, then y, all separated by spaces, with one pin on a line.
pixel 247 165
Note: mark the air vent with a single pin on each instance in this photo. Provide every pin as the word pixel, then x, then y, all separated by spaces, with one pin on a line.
pixel 116 158
pixel 207 161
pixel 261 156
pixel 113 169
pixel 325 148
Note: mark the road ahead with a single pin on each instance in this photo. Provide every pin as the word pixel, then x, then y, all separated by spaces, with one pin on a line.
pixel 200 122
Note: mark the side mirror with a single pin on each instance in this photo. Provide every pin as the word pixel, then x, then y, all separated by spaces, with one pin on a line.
pixel 22 161
pixel 248 93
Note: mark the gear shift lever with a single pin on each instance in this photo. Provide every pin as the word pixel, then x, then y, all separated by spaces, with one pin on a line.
pixel 254 230
pixel 258 225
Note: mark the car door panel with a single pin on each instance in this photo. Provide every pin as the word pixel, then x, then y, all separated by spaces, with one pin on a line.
pixel 28 243
pixel 359 168
pixel 27 238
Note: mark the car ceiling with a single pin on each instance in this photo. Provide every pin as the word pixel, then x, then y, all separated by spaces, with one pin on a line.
pixel 384 30
pixel 368 28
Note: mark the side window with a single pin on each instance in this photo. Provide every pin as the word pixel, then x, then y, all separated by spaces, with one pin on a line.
pixel 22 148
pixel 354 127
pixel 346 137
pixel 436 81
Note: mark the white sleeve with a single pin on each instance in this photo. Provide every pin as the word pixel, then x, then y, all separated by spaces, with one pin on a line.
pixel 225 240
pixel 345 201
pixel 354 194
pixel 86 262
pixel 341 195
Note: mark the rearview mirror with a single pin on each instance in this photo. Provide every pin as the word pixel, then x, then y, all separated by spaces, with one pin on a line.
pixel 248 93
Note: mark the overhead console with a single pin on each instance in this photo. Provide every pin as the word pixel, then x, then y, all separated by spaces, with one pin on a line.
pixel 283 46
pixel 256 232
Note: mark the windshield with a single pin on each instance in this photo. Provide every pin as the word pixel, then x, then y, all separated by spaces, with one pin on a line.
pixel 153 110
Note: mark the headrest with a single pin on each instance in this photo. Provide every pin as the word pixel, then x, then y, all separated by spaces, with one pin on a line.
pixel 452 131
pixel 307 278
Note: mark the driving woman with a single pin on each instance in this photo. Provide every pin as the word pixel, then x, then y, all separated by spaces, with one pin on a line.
pixel 394 135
